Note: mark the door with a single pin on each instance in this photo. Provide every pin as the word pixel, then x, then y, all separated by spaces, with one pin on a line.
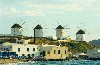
pixel 44 53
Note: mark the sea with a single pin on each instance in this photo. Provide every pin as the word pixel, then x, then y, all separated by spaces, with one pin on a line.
pixel 70 62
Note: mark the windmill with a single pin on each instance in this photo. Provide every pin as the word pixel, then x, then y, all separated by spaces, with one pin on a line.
pixel 79 32
pixel 60 31
pixel 22 25
pixel 85 30
pixel 38 32
pixel 80 35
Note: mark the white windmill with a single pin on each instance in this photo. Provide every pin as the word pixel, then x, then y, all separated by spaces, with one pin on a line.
pixel 80 35
pixel 60 31
pixel 38 30
pixel 16 30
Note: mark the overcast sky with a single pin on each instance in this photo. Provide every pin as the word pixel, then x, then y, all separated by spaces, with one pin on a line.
pixel 73 13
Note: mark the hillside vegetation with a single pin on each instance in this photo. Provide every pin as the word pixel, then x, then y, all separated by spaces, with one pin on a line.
pixel 74 47
pixel 79 47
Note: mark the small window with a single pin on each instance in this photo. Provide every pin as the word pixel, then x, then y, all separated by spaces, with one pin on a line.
pixel 28 49
pixel 4 48
pixel 18 49
pixel 48 52
pixel 32 55
pixel 54 51
pixel 58 51
pixel 21 42
pixel 33 49
pixel 16 54
pixel 65 51
pixel 23 54
pixel 7 49
pixel 28 55
pixel 10 46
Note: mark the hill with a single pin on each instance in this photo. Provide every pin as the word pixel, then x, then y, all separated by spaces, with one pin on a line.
pixel 95 42
pixel 78 47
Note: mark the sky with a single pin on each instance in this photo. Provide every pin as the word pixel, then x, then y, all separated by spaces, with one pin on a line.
pixel 49 14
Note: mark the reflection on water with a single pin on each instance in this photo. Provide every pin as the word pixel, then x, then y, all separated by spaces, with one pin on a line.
pixel 71 62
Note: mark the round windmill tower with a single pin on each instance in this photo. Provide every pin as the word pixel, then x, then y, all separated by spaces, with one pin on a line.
pixel 38 31
pixel 59 31
pixel 80 36
pixel 16 30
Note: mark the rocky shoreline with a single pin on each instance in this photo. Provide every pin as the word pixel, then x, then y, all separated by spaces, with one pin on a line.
pixel 3 61
pixel 10 61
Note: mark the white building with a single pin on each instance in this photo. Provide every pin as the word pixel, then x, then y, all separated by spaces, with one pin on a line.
pixel 32 50
pixel 38 31
pixel 22 41
pixel 59 32
pixel 63 38
pixel 22 49
pixel 80 36
pixel 16 30
pixel 52 37
pixel 25 49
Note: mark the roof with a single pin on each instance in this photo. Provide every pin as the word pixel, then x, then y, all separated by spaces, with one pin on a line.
pixel 38 27
pixel 60 27
pixel 16 26
pixel 80 32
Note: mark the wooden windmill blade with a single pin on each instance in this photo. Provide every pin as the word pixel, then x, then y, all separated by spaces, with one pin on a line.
pixel 57 22
pixel 45 28
pixel 66 28
pixel 86 31
pixel 79 27
pixel 23 23
pixel 21 30
pixel 65 25
pixel 53 28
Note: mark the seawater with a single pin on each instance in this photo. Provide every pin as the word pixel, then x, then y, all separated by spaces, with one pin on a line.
pixel 71 62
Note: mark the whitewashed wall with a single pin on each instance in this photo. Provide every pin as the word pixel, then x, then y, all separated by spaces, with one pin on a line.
pixel 59 33
pixel 23 49
pixel 80 37
pixel 38 33
pixel 16 31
